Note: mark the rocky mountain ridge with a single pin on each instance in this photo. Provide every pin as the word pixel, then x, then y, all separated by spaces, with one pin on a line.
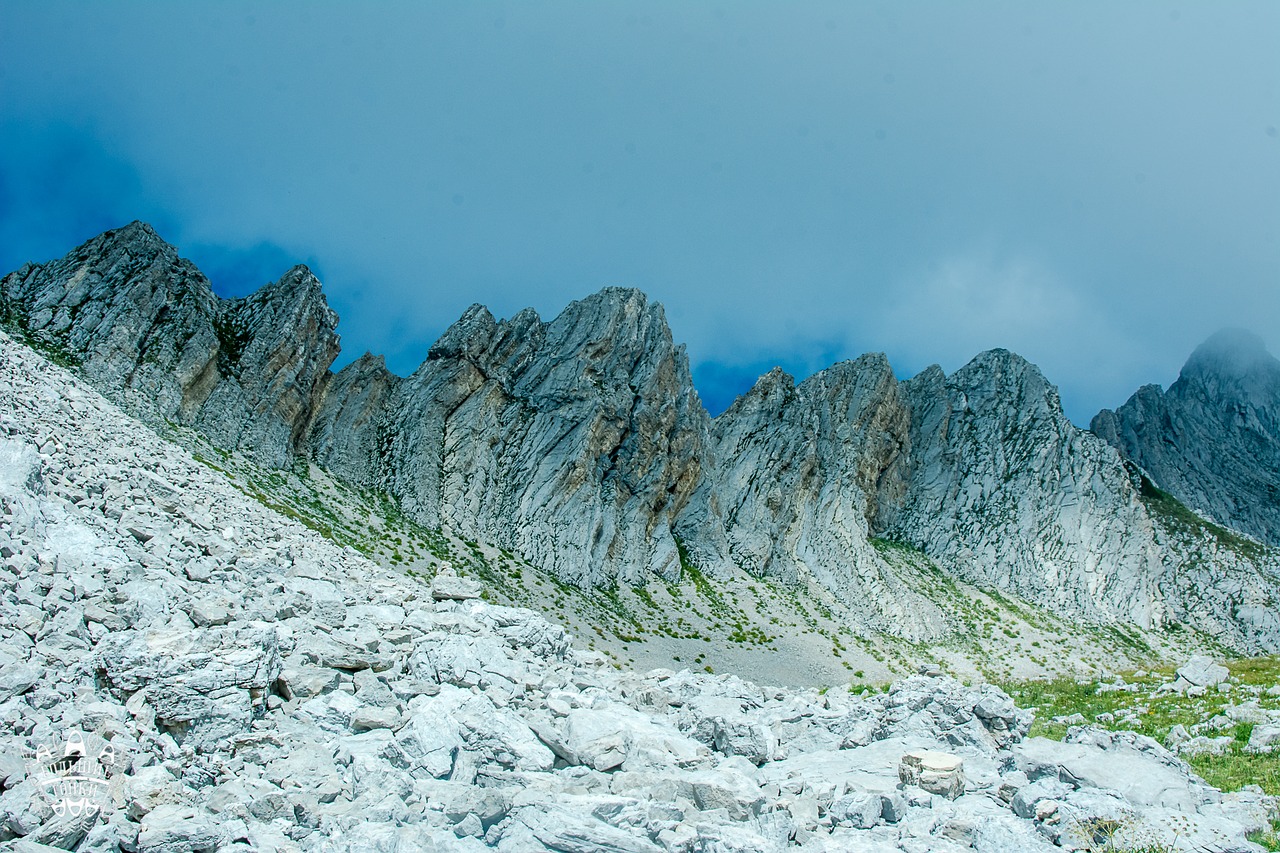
pixel 147 328
pixel 580 444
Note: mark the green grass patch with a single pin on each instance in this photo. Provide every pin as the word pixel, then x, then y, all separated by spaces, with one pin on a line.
pixel 1146 713
pixel 1234 769
pixel 890 546
pixel 1268 839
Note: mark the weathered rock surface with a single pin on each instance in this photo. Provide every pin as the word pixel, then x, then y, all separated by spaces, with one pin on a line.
pixel 1003 490
pixel 799 472
pixel 1213 438
pixel 149 332
pixel 300 723
pixel 575 442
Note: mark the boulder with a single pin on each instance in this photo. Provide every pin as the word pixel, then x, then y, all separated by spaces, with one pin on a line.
pixel 173 828
pixel 454 588
pixel 1201 671
pixel 936 772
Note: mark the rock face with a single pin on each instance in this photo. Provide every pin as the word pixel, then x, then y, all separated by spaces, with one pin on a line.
pixel 982 472
pixel 799 473
pixel 1003 490
pixel 349 434
pixel 261 687
pixel 1213 439
pixel 576 442
pixel 147 329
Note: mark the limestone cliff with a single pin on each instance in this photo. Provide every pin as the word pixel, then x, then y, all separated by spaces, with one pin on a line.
pixel 798 474
pixel 147 328
pixel 1003 490
pixel 581 444
pixel 576 442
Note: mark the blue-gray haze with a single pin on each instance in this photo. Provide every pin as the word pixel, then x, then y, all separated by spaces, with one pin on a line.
pixel 1093 185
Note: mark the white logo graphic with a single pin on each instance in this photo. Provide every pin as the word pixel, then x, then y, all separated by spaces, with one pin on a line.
pixel 73 776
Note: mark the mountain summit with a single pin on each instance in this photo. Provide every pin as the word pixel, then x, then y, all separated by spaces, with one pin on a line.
pixel 1212 439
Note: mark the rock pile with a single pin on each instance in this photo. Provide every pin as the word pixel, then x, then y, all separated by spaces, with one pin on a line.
pixel 262 688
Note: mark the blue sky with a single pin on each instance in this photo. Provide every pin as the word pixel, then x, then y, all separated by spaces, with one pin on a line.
pixel 1093 185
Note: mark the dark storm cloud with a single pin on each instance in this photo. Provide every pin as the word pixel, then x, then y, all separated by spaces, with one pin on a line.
pixel 1096 186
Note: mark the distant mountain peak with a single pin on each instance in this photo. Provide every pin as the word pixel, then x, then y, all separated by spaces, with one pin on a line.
pixel 1231 353
pixel 1213 439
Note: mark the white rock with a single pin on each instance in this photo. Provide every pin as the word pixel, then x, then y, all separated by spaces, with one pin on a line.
pixel 936 772
pixel 1201 671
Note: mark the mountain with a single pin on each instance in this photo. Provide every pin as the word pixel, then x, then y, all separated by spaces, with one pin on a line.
pixel 184 669
pixel 575 442
pixel 580 444
pixel 147 329
pixel 1213 439
pixel 1003 490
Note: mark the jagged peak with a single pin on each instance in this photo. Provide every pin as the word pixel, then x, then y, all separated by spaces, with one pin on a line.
pixel 999 355
pixel 933 374
pixel 137 229
pixel 297 291
pixel 999 377
pixel 370 361
pixel 855 368
pixel 524 318
pixel 771 390
pixel 769 383
pixel 134 237
pixel 1003 363
pixel 1231 353
pixel 297 282
pixel 467 335
pixel 301 273
pixel 614 295
pixel 612 307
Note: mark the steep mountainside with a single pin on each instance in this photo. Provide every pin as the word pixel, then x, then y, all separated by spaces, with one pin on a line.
pixel 574 442
pixel 147 328
pixel 798 473
pixel 581 445
pixel 1213 439
pixel 1006 492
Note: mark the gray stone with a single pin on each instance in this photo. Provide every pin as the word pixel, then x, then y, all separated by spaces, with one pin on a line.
pixel 1264 738
pixel 368 718
pixel 1201 671
pixel 17 679
pixel 305 682
pixel 207 613
pixel 936 772
pixel 178 829
pixel 454 588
